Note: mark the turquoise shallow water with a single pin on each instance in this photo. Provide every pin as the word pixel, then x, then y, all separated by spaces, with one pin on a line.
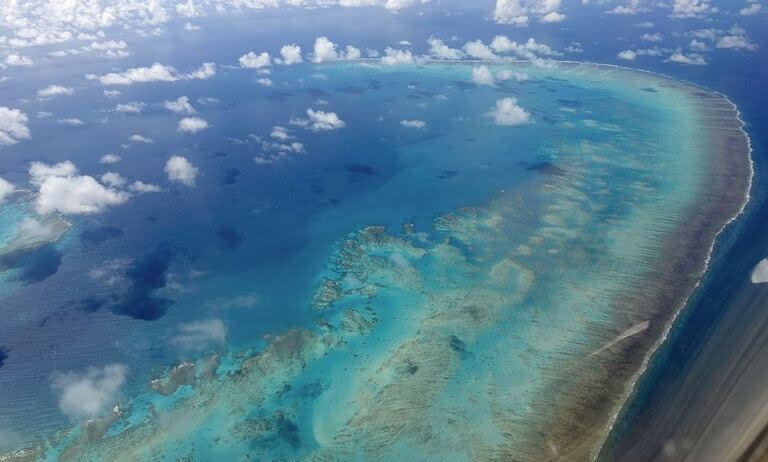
pixel 421 290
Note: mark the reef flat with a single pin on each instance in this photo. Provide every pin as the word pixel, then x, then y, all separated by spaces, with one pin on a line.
pixel 511 329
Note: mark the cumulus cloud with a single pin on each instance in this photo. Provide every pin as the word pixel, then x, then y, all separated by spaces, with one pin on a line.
pixel 324 50
pixel 6 189
pixel 130 108
pixel 736 42
pixel 13 126
pixel 530 49
pixel 63 190
pixel 693 59
pixel 552 17
pixel 140 139
pixel 683 9
pixel 656 37
pixel 180 170
pixel 200 335
pixel 413 123
pixel 54 90
pixel 394 57
pixel 479 50
pixel 319 121
pixel 627 55
pixel 71 121
pixel 252 60
pixel 155 73
pixel 113 179
pixel 508 113
pixel 438 49
pixel 752 9
pixel 109 159
pixel 14 60
pixel 481 75
pixel 291 54
pixel 139 187
pixel 517 12
pixel 91 393
pixel 192 125
pixel 180 105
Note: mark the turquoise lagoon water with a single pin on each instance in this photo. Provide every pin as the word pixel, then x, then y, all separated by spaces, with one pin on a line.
pixel 421 294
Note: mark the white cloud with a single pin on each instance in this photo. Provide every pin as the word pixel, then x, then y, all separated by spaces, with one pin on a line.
pixel 155 73
pixel 15 60
pixel 632 7
pixel 54 90
pixel 627 55
pixel 180 170
pixel 112 93
pixel 291 54
pixel 205 71
pixel 109 159
pixel 517 12
pixel 530 49
pixel 39 171
pixel 6 189
pixel 552 17
pixel 130 108
pixel 180 105
pixel 682 9
pixel 508 113
pixel 697 45
pixel 62 190
pixel 192 125
pixel 189 9
pixel 113 179
pixel 199 335
pixel 737 42
pixel 760 272
pixel 265 82
pixel 656 37
pixel 438 49
pixel 705 34
pixel 252 60
pixel 750 10
pixel 89 394
pixel 692 59
pixel 506 74
pixel 319 121
pixel 352 53
pixel 71 121
pixel 481 75
pixel 139 187
pixel 140 139
pixel 394 57
pixel 413 123
pixel 280 133
pixel 479 50
pixel 324 50
pixel 13 126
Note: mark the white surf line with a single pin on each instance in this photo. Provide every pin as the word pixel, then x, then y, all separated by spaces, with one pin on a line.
pixel 632 331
